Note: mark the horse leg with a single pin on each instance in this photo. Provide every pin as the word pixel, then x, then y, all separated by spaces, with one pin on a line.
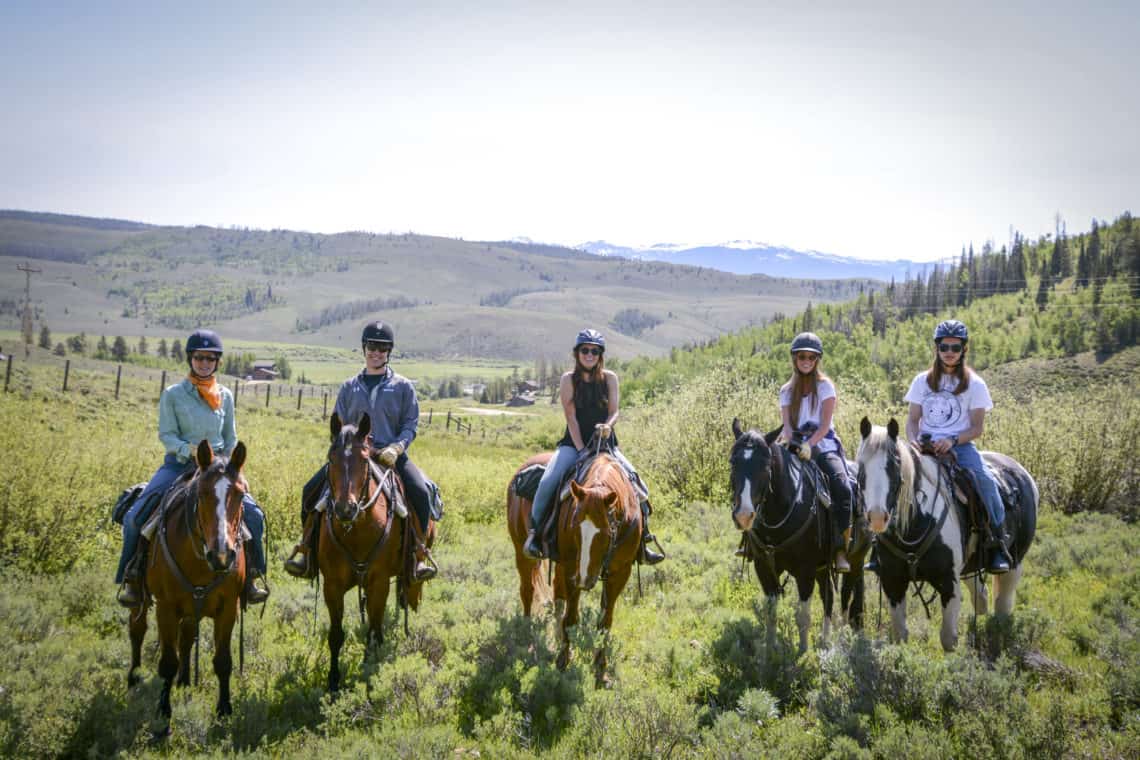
pixel 525 567
pixel 334 600
pixel 951 608
pixel 851 596
pixel 895 589
pixel 978 594
pixel 804 585
pixel 615 583
pixel 377 607
pixel 569 619
pixel 138 633
pixel 186 635
pixel 168 662
pixel 223 659
pixel 1005 591
pixel 827 596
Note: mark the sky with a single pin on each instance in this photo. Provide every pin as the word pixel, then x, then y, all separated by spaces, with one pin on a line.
pixel 879 130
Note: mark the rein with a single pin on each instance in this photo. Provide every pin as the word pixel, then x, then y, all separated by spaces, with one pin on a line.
pixel 767 550
pixel 360 568
pixel 912 552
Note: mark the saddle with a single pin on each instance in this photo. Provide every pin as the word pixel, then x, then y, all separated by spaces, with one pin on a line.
pixel 967 494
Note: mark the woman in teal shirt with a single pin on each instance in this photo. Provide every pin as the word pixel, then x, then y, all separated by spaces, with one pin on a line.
pixel 196 409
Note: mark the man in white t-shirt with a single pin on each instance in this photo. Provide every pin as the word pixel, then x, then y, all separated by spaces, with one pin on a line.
pixel 948 405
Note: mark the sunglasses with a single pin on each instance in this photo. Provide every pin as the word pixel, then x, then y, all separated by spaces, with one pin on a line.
pixel 950 348
pixel 590 351
pixel 376 346
pixel 807 357
pixel 204 357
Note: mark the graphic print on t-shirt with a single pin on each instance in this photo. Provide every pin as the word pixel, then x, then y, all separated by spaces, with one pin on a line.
pixel 942 412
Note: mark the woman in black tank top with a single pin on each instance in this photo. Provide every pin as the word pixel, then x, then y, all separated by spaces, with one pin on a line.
pixel 589 395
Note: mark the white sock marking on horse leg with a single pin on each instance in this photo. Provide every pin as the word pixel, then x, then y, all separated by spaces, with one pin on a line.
pixel 1005 591
pixel 898 622
pixel 949 633
pixel 979 595
pixel 803 620
pixel 589 530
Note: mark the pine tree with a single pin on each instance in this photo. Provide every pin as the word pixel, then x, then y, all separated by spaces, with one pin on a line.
pixel 162 351
pixel 120 351
pixel 176 351
pixel 1043 290
pixel 143 346
pixel 45 337
pixel 102 350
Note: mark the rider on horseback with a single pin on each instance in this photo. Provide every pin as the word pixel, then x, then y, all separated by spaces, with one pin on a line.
pixel 948 403
pixel 807 406
pixel 198 408
pixel 391 403
pixel 589 395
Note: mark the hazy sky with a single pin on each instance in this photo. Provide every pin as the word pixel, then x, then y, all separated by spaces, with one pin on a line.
pixel 885 130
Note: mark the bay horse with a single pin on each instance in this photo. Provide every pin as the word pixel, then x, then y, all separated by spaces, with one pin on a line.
pixel 922 533
pixel 775 504
pixel 196 569
pixel 532 572
pixel 363 542
pixel 599 537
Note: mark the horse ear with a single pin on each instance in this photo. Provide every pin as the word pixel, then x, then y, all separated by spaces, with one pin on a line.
pixel 205 454
pixel 364 428
pixel 737 431
pixel 237 459
pixel 893 429
pixel 577 490
pixel 864 427
pixel 334 426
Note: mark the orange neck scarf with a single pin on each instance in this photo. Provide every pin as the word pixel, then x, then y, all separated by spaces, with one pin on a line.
pixel 208 389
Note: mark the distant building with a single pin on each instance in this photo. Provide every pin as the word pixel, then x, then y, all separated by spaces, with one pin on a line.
pixel 521 399
pixel 528 386
pixel 265 369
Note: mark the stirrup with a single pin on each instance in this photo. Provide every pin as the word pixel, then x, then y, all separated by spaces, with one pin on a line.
pixel 648 556
pixel 253 593
pixel 425 568
pixel 531 547
pixel 298 568
pixel 129 596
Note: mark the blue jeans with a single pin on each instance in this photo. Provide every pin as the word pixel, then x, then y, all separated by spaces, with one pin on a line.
pixel 157 487
pixel 562 462
pixel 969 458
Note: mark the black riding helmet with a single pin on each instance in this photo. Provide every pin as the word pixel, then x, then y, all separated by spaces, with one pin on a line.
pixel 590 337
pixel 951 328
pixel 380 332
pixel 807 341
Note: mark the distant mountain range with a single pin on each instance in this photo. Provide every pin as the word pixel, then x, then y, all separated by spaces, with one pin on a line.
pixel 749 257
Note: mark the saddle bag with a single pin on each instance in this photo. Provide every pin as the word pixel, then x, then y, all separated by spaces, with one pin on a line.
pixel 435 499
pixel 125 501
pixel 526 482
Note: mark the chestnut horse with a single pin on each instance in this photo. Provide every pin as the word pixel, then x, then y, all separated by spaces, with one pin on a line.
pixel 196 569
pixel 532 572
pixel 364 542
pixel 599 536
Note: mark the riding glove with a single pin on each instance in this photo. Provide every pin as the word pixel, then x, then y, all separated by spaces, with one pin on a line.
pixel 804 451
pixel 604 430
pixel 389 454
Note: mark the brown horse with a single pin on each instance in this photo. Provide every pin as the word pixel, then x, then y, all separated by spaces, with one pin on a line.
pixel 195 570
pixel 532 572
pixel 599 535
pixel 363 542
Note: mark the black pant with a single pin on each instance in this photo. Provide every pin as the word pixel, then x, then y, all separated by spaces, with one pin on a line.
pixel 834 467
pixel 414 485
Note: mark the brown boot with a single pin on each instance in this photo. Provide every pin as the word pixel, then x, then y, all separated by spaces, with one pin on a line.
pixel 425 569
pixel 299 564
pixel 130 593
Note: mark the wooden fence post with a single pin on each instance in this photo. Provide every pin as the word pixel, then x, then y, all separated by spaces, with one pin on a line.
pixel 268 392
pixel 447 425
pixel 8 373
pixel 300 392
pixel 325 410
pixel 430 411
pixel 162 384
pixel 66 371
pixel 118 380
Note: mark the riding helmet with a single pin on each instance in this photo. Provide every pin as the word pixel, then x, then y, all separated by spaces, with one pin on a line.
pixel 807 341
pixel 203 340
pixel 951 328
pixel 378 331
pixel 591 337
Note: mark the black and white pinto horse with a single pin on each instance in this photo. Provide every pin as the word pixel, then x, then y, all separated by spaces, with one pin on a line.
pixel 774 502
pixel 922 532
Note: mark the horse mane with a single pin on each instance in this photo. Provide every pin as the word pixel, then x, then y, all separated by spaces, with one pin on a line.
pixel 595 476
pixel 879 442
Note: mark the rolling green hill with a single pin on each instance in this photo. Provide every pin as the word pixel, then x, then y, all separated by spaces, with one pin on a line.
pixel 446 297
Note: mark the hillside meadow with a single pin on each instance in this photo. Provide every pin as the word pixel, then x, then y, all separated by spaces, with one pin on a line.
pixel 475 678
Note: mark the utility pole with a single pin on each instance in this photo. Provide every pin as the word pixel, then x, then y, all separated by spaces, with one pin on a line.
pixel 26 327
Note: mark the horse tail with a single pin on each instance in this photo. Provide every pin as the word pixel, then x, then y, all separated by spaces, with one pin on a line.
pixel 543 593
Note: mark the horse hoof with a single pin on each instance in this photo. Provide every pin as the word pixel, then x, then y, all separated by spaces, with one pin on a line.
pixel 225 709
pixel 133 679
pixel 563 660
pixel 162 734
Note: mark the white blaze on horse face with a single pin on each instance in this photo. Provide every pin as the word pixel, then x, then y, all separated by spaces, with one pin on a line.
pixel 221 488
pixel 746 512
pixel 589 530
pixel 876 489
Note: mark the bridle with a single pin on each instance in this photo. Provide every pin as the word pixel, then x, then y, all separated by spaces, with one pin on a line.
pixel 363 502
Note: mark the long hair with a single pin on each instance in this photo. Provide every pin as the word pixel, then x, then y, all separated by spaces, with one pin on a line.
pixel 592 391
pixel 962 372
pixel 803 385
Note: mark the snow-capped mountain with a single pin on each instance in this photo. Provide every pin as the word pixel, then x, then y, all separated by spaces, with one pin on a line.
pixel 750 257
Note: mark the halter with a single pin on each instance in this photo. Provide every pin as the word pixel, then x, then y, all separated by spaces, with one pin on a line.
pixel 613 523
pixel 361 568
pixel 910 552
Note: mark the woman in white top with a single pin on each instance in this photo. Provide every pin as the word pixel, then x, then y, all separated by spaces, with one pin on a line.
pixel 948 405
pixel 807 406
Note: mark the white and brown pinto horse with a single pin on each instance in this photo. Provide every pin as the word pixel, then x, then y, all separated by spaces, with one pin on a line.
pixel 922 532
